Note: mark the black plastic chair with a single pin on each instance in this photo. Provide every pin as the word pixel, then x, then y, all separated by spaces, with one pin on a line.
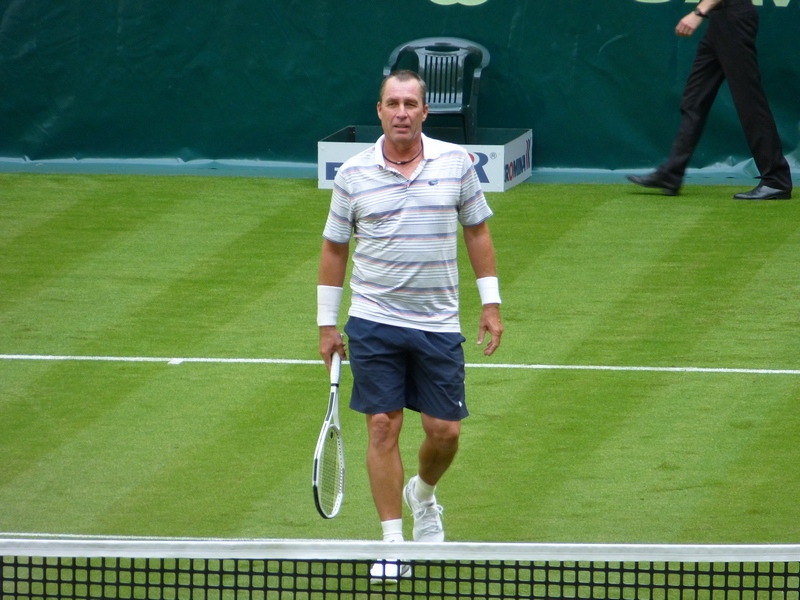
pixel 451 68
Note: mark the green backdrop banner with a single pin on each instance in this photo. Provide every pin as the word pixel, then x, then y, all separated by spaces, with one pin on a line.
pixel 598 81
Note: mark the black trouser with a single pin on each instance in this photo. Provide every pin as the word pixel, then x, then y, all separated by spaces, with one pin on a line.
pixel 727 51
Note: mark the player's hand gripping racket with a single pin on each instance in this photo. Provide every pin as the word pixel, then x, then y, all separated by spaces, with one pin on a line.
pixel 328 477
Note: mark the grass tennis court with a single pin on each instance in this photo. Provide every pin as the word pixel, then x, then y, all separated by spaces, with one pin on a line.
pixel 213 268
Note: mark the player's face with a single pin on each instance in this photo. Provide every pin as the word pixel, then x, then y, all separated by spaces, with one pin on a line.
pixel 402 110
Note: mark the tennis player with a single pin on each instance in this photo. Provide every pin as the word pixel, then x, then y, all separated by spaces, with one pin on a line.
pixel 403 200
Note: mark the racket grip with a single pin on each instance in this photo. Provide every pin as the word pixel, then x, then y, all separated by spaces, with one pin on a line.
pixel 336 368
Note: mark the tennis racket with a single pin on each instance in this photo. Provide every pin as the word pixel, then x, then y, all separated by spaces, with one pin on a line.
pixel 328 477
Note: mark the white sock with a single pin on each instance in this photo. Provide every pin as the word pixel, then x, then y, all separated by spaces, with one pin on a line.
pixel 392 530
pixel 423 491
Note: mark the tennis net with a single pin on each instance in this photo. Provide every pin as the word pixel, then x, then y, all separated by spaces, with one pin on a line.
pixel 199 569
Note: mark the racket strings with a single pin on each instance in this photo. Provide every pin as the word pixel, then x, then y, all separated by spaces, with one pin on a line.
pixel 331 475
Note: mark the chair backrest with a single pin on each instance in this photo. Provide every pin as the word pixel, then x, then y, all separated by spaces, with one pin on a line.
pixel 443 72
pixel 451 68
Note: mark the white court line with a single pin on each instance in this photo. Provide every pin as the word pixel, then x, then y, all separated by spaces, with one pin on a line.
pixel 291 361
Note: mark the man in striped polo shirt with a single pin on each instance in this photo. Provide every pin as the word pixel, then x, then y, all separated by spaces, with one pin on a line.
pixel 403 200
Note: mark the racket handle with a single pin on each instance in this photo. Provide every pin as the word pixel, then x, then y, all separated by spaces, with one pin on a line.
pixel 336 368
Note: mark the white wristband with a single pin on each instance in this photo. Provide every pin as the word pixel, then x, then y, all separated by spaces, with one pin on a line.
pixel 328 300
pixel 489 290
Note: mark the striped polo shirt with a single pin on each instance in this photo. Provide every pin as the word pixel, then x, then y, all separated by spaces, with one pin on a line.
pixel 405 270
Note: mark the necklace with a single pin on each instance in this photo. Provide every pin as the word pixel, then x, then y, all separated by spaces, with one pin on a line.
pixel 404 162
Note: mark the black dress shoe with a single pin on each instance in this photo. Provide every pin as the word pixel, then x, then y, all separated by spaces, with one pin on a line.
pixel 654 181
pixel 764 192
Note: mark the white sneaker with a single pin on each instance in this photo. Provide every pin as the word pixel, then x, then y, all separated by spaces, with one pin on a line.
pixel 387 572
pixel 427 515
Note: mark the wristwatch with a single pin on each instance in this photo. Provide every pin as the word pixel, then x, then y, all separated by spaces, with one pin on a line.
pixel 699 14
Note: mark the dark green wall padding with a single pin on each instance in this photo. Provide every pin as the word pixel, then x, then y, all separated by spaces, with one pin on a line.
pixel 598 81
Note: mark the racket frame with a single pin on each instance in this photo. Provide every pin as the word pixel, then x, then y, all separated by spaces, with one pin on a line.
pixel 331 425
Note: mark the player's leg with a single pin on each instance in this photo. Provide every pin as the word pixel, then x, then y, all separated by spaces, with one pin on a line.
pixel 436 390
pixel 436 454
pixel 384 463
pixel 377 362
pixel 385 470
pixel 438 449
pixel 378 368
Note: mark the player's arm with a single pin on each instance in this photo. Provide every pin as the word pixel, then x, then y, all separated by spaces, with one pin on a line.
pixel 332 269
pixel 481 256
pixel 689 24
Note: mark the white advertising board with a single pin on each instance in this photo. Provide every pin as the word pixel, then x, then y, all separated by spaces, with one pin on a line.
pixel 502 158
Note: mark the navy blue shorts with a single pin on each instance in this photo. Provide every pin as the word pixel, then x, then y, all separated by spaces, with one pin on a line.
pixel 398 367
